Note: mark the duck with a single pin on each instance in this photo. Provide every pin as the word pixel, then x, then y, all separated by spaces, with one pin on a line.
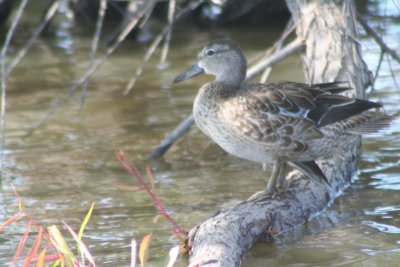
pixel 280 124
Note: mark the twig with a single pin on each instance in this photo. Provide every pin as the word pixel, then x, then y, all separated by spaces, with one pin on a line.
pixel 145 18
pixel 276 47
pixel 171 11
pixel 289 49
pixel 378 39
pixel 48 16
pixel 62 100
pixel 127 164
pixel 377 72
pixel 184 126
pixel 95 44
pixel 155 44
pixel 392 72
pixel 6 44
pixel 146 58
pixel 127 14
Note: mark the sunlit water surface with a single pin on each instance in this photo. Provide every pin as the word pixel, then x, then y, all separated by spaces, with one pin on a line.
pixel 69 163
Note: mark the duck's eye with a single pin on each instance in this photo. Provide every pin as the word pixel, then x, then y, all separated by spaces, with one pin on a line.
pixel 210 53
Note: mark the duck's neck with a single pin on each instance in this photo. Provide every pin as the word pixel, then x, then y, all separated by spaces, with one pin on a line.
pixel 217 91
pixel 231 80
pixel 233 76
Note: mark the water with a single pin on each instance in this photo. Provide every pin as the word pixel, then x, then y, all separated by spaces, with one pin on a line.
pixel 69 163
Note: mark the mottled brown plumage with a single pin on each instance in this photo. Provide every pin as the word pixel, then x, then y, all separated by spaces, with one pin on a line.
pixel 276 123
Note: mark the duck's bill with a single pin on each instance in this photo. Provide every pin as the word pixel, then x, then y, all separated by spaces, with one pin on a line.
pixel 194 70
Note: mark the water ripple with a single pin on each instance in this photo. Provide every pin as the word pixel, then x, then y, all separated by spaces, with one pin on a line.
pixel 386 181
pixel 382 227
pixel 385 210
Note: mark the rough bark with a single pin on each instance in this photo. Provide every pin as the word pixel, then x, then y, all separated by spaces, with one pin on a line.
pixel 332 53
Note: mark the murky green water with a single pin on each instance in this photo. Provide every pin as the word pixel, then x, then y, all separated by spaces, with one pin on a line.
pixel 69 163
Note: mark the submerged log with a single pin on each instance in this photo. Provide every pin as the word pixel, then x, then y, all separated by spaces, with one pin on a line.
pixel 332 54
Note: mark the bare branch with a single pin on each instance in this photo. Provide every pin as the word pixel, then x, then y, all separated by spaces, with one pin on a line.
pixel 376 72
pixel 48 16
pixel 95 44
pixel 294 46
pixel 392 72
pixel 150 51
pixel 155 44
pixel 171 11
pixel 277 46
pixel 3 59
pixel 182 128
pixel 62 100
pixel 378 39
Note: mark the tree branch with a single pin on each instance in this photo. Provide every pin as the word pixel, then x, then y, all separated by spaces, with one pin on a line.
pixel 182 128
pixel 378 39
pixel 291 48
pixel 3 59
pixel 47 17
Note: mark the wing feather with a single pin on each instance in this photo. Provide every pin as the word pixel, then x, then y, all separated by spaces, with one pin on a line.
pixel 288 115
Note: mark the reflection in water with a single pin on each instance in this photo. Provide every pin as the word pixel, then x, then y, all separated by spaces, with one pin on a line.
pixel 69 163
pixel 384 210
pixel 391 229
pixel 65 37
pixel 387 181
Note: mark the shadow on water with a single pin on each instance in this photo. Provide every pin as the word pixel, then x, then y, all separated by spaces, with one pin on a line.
pixel 69 163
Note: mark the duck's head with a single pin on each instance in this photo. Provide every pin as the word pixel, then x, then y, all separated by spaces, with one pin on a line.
pixel 221 58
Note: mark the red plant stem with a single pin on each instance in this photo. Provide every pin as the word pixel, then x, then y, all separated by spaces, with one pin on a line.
pixel 22 242
pixel 31 222
pixel 127 164
pixel 24 213
pixel 34 249
pixel 11 220
pixel 175 232
pixel 50 257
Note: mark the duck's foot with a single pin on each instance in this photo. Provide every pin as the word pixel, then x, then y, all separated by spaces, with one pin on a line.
pixel 277 178
pixel 258 195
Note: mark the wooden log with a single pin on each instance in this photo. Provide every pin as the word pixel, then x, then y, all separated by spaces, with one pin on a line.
pixel 332 54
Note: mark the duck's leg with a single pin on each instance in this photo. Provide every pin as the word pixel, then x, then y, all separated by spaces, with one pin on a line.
pixel 282 174
pixel 278 171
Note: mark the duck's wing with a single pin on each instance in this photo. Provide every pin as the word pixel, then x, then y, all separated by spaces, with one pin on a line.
pixel 332 107
pixel 274 115
pixel 288 115
pixel 319 102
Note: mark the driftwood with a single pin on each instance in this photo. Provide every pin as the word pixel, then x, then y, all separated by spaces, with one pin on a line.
pixel 332 54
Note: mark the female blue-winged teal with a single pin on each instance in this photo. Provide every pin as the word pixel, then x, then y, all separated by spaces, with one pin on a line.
pixel 281 123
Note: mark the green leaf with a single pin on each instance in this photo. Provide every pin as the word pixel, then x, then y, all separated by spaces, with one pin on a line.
pixel 83 225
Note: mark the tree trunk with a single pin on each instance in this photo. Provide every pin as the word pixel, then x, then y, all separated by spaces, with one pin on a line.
pixel 332 54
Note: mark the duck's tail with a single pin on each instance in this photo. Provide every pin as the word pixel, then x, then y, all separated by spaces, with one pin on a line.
pixel 332 107
pixel 311 170
pixel 368 122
